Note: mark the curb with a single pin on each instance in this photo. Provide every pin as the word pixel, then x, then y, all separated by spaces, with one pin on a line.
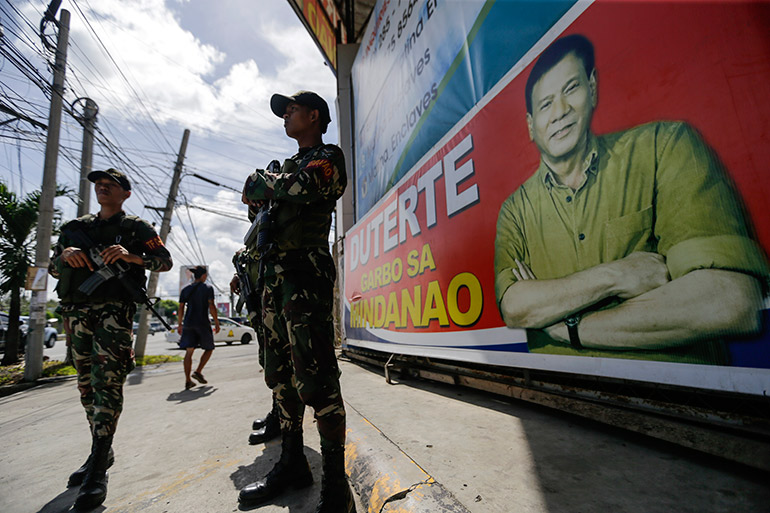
pixel 6 390
pixel 386 479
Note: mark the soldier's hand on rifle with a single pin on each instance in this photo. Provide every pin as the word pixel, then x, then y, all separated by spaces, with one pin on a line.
pixel 254 203
pixel 235 285
pixel 117 252
pixel 76 257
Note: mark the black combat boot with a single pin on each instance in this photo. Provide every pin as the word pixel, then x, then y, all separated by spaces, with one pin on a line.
pixel 260 423
pixel 336 496
pixel 291 470
pixel 94 489
pixel 76 478
pixel 270 428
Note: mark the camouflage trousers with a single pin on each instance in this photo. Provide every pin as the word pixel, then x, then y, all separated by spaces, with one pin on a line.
pixel 100 338
pixel 255 315
pixel 300 364
pixel 255 321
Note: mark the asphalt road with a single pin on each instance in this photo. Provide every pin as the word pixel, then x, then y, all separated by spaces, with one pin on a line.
pixel 156 344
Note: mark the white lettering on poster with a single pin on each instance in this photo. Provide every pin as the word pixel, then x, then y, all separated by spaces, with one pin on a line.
pixel 454 176
pixel 402 210
pixel 389 224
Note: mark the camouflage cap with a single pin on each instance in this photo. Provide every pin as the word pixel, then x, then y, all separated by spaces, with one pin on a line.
pixel 112 174
pixel 279 102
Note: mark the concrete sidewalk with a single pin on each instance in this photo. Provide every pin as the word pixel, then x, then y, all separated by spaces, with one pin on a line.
pixel 412 447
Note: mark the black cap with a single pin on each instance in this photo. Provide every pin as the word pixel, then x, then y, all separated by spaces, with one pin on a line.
pixel 112 174
pixel 198 271
pixel 279 102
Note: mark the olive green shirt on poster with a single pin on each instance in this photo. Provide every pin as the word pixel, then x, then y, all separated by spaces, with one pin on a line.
pixel 656 187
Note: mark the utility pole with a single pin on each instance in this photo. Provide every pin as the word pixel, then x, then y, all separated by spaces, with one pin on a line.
pixel 165 227
pixel 86 158
pixel 33 368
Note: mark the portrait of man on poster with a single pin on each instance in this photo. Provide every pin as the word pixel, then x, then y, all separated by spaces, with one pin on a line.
pixel 633 244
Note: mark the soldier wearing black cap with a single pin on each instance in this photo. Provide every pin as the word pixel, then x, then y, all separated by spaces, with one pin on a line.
pixel 297 276
pixel 99 324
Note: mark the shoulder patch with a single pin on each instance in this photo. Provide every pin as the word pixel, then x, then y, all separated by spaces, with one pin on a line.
pixel 322 167
pixel 154 243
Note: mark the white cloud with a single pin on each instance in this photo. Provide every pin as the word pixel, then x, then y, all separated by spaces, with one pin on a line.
pixel 173 72
pixel 162 64
pixel 217 237
pixel 185 83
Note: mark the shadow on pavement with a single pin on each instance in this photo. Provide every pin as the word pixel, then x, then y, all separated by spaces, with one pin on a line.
pixel 136 376
pixel 63 502
pixel 191 395
pixel 297 501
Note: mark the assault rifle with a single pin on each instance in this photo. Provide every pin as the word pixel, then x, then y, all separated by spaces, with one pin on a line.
pixel 261 230
pixel 248 295
pixel 116 270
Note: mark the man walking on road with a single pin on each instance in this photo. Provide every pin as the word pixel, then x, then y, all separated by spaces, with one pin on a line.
pixel 194 325
pixel 99 324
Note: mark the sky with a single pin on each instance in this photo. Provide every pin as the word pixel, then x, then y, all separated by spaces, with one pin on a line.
pixel 154 68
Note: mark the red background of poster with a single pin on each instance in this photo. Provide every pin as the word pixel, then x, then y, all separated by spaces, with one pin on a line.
pixel 704 63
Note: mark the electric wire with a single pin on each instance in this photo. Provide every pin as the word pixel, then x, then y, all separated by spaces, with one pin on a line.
pixel 82 75
pixel 120 71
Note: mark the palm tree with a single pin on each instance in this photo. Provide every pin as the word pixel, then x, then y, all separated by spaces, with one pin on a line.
pixel 18 221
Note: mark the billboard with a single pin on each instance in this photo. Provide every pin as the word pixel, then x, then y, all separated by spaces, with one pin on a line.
pixel 323 22
pixel 583 190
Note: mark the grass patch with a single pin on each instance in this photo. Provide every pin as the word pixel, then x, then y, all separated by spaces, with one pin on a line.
pixel 152 359
pixel 12 374
pixel 57 368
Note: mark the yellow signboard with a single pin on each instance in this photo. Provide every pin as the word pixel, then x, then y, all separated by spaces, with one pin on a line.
pixel 321 19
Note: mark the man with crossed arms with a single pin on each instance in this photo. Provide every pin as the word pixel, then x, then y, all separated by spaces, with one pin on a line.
pixel 631 244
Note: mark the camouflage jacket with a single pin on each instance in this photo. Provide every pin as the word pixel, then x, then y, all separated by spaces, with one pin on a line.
pixel 303 196
pixel 131 232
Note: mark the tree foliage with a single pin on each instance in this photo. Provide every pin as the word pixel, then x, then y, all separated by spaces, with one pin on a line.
pixel 18 223
pixel 18 218
pixel 168 308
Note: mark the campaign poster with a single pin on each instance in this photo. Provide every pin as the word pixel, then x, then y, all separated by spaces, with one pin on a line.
pixel 606 218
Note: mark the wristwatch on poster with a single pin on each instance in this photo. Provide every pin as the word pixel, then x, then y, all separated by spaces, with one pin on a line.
pixel 572 328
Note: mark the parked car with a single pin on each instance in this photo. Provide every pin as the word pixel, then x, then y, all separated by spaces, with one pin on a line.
pixel 155 327
pixel 229 332
pixel 51 334
pixel 4 330
pixel 241 320
pixel 49 338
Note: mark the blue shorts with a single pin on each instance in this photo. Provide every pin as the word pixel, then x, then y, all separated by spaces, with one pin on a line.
pixel 197 336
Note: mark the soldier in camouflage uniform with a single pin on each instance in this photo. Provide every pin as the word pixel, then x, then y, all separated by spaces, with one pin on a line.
pixel 298 275
pixel 99 325
pixel 246 260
